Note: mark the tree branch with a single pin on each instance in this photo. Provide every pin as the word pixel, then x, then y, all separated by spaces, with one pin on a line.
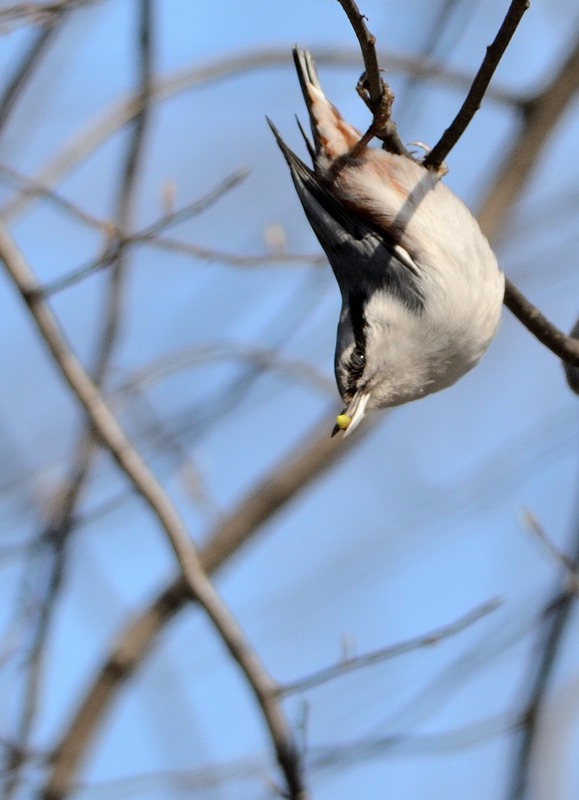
pixel 384 653
pixel 372 88
pixel 541 114
pixel 131 464
pixel 311 458
pixel 124 111
pixel 563 346
pixel 28 64
pixel 541 667
pixel 479 86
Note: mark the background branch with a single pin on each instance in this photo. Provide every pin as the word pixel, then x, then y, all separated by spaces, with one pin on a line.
pixel 308 461
pixel 113 438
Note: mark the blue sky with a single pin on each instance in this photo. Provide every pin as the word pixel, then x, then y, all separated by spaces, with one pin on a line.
pixel 417 526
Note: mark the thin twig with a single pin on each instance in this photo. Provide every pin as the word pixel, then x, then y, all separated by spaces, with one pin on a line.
pixel 479 86
pixel 235 259
pixel 34 189
pixel 367 42
pixel 541 114
pixel 310 459
pixel 541 667
pixel 119 241
pixel 28 64
pixel 121 113
pixel 131 464
pixel 265 358
pixel 55 538
pixel 375 92
pixel 127 191
pixel 562 560
pixel 384 653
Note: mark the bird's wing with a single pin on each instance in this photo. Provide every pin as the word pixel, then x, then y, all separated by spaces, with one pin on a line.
pixel 352 243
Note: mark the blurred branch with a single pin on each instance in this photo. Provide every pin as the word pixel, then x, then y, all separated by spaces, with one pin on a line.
pixel 123 112
pixel 363 749
pixel 127 190
pixel 384 653
pixel 311 458
pixel 539 116
pixel 130 463
pixel 28 64
pixel 34 189
pixel 562 560
pixel 120 240
pixel 43 13
pixel 473 100
pixel 210 352
pixel 235 259
pixel 542 664
pixel 56 536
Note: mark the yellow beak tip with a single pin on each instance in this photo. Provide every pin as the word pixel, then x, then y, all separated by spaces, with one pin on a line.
pixel 343 421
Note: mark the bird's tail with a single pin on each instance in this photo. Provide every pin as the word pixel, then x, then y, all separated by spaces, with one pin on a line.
pixel 333 136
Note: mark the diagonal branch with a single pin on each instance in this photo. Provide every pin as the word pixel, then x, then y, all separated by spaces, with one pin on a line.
pixel 541 115
pixel 121 113
pixel 27 66
pixel 541 668
pixel 55 537
pixel 473 100
pixel 384 653
pixel 310 459
pixel 566 347
pixel 130 463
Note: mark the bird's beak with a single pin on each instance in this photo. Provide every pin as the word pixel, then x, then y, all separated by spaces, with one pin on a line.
pixel 353 414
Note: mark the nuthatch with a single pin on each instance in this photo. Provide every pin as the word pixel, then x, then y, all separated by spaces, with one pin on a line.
pixel 421 288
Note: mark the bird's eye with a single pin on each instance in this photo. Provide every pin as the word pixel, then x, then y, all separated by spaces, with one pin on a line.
pixel 356 364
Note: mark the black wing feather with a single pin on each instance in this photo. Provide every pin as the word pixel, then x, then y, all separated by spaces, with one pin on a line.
pixel 352 244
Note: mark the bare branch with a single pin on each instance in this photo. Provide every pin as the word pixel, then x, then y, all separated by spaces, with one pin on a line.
pixel 566 347
pixel 541 114
pixel 33 188
pixel 310 459
pixel 479 86
pixel 28 65
pixel 235 259
pixel 120 241
pixel 571 575
pixel 124 111
pixel 384 653
pixel 367 44
pixel 131 464
pixel 262 357
pixel 372 88
pixel 541 667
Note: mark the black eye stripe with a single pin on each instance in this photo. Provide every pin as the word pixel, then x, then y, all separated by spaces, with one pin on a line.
pixel 357 359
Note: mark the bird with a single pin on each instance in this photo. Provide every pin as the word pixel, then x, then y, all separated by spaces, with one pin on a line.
pixel 421 288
